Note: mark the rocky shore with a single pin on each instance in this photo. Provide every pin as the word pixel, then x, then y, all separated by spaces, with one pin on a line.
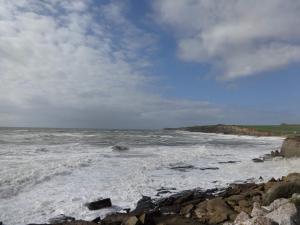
pixel 272 202
pixel 269 203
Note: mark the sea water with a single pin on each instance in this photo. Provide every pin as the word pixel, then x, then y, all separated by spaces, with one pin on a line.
pixel 48 172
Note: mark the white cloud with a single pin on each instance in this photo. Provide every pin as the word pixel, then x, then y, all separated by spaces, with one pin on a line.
pixel 64 63
pixel 238 37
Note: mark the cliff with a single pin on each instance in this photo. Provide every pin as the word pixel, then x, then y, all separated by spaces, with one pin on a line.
pixel 291 147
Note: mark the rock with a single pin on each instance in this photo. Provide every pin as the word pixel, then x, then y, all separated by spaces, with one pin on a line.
pixel 296 199
pixel 241 218
pixel 214 211
pixel 229 162
pixel 79 222
pixel 61 219
pixel 143 205
pixel 257 160
pixel 281 190
pixel 260 220
pixel 120 148
pixel 114 219
pixel 276 204
pixel 285 215
pixel 99 204
pixel 293 177
pixel 96 220
pixel 175 220
pixel 257 210
pixel 130 221
pixel 185 211
pixel 291 147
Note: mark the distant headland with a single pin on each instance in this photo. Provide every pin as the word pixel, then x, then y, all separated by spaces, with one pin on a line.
pixel 252 130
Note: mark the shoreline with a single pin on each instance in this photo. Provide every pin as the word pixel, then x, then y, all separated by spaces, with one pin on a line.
pixel 205 207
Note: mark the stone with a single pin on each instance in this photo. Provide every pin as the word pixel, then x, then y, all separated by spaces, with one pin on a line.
pixel 143 205
pixel 257 210
pixel 214 211
pixel 257 160
pixel 99 204
pixel 114 219
pixel 120 148
pixel 241 218
pixel 293 177
pixel 260 220
pixel 132 220
pixel 285 215
pixel 281 190
pixel 276 204
pixel 61 219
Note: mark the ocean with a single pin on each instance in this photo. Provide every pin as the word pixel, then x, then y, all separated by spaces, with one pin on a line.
pixel 47 172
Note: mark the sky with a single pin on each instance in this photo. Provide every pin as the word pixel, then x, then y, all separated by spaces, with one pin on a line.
pixel 139 64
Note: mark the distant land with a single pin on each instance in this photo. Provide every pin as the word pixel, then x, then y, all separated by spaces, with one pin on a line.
pixel 252 130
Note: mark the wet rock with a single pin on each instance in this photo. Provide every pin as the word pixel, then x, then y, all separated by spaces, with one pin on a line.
pixel 286 214
pixel 229 162
pixel 61 219
pixel 96 220
pixel 99 204
pixel 145 204
pixel 79 222
pixel 258 160
pixel 281 190
pixel 120 148
pixel 209 168
pixel 182 168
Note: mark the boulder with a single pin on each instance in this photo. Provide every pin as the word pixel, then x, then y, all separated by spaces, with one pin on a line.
pixel 175 220
pixel 291 147
pixel 257 210
pixel 186 210
pixel 285 215
pixel 260 220
pixel 214 211
pixel 296 199
pixel 99 204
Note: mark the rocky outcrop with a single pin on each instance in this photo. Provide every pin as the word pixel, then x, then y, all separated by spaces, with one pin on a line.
pixel 291 147
pixel 99 204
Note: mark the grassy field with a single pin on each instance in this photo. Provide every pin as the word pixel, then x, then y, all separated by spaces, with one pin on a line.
pixel 280 130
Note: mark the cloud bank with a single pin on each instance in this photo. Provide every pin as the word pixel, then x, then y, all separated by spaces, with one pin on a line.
pixel 237 37
pixel 71 63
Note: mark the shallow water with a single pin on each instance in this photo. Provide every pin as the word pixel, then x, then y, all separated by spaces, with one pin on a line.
pixel 46 172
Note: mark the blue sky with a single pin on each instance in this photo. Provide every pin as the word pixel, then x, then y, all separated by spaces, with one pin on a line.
pixel 149 64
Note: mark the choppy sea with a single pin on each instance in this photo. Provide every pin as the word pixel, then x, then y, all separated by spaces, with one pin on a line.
pixel 47 172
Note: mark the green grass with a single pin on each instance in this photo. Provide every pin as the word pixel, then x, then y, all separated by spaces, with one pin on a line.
pixel 280 130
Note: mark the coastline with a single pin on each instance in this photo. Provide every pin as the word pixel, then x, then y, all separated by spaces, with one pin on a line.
pixel 251 201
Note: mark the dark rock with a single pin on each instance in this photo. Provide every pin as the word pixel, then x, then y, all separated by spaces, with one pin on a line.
pixel 99 204
pixel 120 148
pixel 183 168
pixel 209 168
pixel 61 219
pixel 257 160
pixel 145 204
pixel 229 162
pixel 96 220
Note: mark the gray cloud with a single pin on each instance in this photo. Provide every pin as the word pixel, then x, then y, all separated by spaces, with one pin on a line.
pixel 65 64
pixel 238 37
